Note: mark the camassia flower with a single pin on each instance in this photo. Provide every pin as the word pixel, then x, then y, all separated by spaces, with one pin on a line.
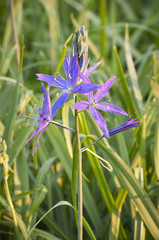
pixel 93 104
pixel 44 118
pixel 130 123
pixel 70 85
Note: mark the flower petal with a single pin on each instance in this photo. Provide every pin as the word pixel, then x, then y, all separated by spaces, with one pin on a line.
pixel 60 101
pixel 66 64
pixel 53 81
pixel 73 70
pixel 85 88
pixel 46 110
pixel 103 90
pixel 99 120
pixel 108 107
pixel 83 105
pixel 36 131
pixel 37 140
pixel 84 78
pixel 87 81
pixel 92 68
pixel 125 126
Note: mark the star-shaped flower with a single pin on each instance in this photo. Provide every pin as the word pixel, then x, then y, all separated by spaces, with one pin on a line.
pixel 44 117
pixel 93 104
pixel 70 85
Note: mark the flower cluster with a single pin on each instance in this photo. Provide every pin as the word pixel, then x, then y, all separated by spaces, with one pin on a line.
pixel 77 82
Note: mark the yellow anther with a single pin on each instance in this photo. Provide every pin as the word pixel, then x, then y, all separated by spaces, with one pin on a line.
pixel 107 108
pixel 55 79
pixel 34 106
pixel 69 75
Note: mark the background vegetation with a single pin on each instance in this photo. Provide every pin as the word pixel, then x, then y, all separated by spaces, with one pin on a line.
pixel 122 204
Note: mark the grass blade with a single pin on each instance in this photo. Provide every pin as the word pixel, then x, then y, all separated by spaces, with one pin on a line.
pixel 128 98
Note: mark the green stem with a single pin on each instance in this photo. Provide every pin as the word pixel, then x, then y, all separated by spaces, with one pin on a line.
pixel 79 161
pixel 10 202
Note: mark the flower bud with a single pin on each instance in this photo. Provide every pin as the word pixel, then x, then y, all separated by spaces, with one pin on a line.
pixel 80 47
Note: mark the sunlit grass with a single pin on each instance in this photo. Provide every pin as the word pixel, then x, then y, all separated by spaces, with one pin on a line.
pixel 117 205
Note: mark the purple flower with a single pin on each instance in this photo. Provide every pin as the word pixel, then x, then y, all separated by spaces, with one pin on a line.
pixel 130 123
pixel 93 103
pixel 43 118
pixel 70 85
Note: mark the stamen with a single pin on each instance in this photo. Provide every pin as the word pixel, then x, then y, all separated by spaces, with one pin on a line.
pixel 36 117
pixel 58 74
pixel 34 124
pixel 69 75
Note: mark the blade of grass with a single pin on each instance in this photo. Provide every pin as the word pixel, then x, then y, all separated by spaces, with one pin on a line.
pixel 139 197
pixel 156 148
pixel 63 203
pixel 128 98
pixel 116 215
pixel 12 112
pixel 59 145
pixel 139 230
pixel 19 220
pixel 132 71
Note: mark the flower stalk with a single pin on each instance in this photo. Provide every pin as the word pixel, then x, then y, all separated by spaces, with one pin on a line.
pixel 4 159
pixel 79 163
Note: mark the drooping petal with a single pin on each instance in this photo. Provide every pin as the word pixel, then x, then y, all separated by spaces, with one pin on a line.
pixel 85 88
pixel 92 68
pixel 53 81
pixel 103 90
pixel 66 64
pixel 60 101
pixel 73 70
pixel 37 140
pixel 86 80
pixel 108 107
pixel 130 123
pixel 83 105
pixel 46 110
pixel 36 131
pixel 99 120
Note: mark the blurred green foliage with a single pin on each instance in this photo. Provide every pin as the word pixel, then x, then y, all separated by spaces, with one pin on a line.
pixel 122 204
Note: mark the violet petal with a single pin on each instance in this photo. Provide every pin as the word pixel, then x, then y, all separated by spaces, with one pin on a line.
pixel 59 102
pixel 53 81
pixel 83 105
pixel 108 107
pixel 99 120
pixel 103 90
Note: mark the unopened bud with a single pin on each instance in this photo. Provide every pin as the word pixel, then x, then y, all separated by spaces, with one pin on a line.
pixel 80 47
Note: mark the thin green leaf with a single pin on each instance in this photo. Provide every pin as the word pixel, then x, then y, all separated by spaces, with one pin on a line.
pixel 128 99
pixel 19 220
pixel 132 70
pixel 116 212
pixel 139 197
pixel 63 203
pixel 156 148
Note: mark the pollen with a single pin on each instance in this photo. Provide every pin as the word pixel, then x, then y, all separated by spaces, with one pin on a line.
pixel 55 79
pixel 107 108
pixel 69 75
